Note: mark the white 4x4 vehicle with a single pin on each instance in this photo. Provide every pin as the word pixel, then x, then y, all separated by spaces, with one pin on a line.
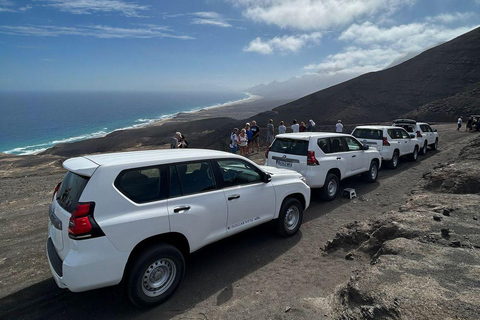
pixel 134 215
pixel 324 158
pixel 392 142
pixel 425 134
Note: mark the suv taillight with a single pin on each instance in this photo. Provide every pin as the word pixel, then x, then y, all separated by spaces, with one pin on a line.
pixel 81 224
pixel 266 152
pixel 385 142
pixel 56 189
pixel 419 134
pixel 311 160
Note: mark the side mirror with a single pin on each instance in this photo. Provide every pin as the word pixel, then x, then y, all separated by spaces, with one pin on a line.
pixel 412 136
pixel 366 147
pixel 434 130
pixel 267 178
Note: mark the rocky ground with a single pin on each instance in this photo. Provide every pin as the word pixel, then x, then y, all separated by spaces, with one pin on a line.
pixel 406 248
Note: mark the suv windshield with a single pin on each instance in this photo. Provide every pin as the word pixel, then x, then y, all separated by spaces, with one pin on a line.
pixel 290 146
pixel 70 190
pixel 374 134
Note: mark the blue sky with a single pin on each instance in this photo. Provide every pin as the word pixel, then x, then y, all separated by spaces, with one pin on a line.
pixel 198 44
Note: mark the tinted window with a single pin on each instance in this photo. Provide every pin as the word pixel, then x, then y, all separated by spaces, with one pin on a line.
pixel 140 185
pixel 194 177
pixel 425 128
pixel 394 134
pixel 353 145
pixel 408 127
pixel 404 134
pixel 368 134
pixel 70 190
pixel 290 146
pixel 324 145
pixel 338 144
pixel 237 172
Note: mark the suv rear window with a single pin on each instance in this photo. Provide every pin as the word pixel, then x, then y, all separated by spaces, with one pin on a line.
pixel 139 185
pixel 290 146
pixel 70 191
pixel 408 127
pixel 373 134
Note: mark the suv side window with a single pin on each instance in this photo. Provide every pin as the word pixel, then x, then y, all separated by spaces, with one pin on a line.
pixel 324 145
pixel 425 128
pixel 338 144
pixel 393 133
pixel 353 145
pixel 190 178
pixel 237 172
pixel 140 185
pixel 403 134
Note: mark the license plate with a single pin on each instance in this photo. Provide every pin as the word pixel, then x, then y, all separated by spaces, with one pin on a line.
pixel 281 163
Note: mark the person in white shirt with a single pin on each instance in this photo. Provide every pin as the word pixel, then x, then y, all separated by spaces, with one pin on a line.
pixel 282 128
pixel 339 126
pixel 234 140
pixel 459 123
pixel 295 126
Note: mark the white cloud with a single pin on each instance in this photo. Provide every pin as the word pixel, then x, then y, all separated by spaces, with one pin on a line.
pixel 98 6
pixel 282 44
pixel 98 31
pixel 315 14
pixel 211 19
pixel 446 18
pixel 7 6
pixel 374 48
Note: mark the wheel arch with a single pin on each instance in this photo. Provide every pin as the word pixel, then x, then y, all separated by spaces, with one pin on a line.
pixel 297 196
pixel 336 172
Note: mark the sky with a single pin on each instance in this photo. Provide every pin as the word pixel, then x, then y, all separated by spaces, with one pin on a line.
pixel 110 45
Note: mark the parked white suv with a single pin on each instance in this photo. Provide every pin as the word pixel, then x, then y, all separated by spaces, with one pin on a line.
pixel 324 158
pixel 134 215
pixel 425 134
pixel 392 142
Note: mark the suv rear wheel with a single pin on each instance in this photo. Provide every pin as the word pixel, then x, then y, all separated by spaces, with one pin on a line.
pixel 290 217
pixel 330 188
pixel 435 145
pixel 155 275
pixel 392 164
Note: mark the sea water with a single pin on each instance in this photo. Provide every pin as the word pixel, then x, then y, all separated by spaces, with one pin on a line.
pixel 31 122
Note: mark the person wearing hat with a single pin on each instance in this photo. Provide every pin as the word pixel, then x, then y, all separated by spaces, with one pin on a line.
pixel 339 126
pixel 175 140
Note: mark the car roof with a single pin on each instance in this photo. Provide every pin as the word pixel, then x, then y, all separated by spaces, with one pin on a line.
pixel 87 165
pixel 409 121
pixel 308 135
pixel 376 127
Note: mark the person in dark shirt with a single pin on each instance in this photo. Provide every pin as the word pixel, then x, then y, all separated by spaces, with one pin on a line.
pixel 256 136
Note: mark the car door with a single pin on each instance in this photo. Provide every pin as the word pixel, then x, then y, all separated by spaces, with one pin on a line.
pixel 428 132
pixel 406 141
pixel 359 159
pixel 195 200
pixel 250 199
pixel 339 149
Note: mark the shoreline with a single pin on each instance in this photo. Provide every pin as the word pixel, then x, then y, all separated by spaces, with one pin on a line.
pixel 193 114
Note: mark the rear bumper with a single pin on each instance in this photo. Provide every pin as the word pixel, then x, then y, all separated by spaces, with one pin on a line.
pixel 90 264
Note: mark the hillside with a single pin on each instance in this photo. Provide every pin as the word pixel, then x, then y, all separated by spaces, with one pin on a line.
pixel 441 72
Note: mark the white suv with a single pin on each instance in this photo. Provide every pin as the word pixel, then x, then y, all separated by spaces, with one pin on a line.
pixel 392 142
pixel 425 134
pixel 134 215
pixel 324 158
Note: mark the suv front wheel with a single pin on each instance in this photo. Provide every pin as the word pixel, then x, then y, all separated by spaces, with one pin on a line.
pixel 330 188
pixel 290 217
pixel 372 174
pixel 155 275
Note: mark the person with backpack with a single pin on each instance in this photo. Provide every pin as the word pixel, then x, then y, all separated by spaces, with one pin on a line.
pixel 234 140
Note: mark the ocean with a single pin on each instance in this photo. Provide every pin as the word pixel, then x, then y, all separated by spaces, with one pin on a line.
pixel 31 122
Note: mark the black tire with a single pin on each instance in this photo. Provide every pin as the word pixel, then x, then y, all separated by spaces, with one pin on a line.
pixel 372 174
pixel 290 217
pixel 331 187
pixel 392 164
pixel 160 267
pixel 435 145
pixel 424 148
pixel 414 155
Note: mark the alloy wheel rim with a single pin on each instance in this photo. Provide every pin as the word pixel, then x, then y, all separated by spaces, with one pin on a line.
pixel 158 277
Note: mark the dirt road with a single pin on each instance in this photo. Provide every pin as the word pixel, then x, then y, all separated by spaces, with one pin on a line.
pixel 255 274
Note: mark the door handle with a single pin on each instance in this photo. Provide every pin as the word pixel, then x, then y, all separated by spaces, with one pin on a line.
pixel 354 156
pixel 182 208
pixel 235 196
pixel 339 158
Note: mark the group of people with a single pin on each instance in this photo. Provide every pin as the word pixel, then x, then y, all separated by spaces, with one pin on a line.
pixel 178 141
pixel 247 140
pixel 473 123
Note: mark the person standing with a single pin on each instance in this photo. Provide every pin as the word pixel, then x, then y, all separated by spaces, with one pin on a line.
pixel 282 128
pixel 459 123
pixel 256 136
pixel 270 132
pixel 243 142
pixel 311 125
pixel 174 141
pixel 234 140
pixel 302 128
pixel 295 127
pixel 339 127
